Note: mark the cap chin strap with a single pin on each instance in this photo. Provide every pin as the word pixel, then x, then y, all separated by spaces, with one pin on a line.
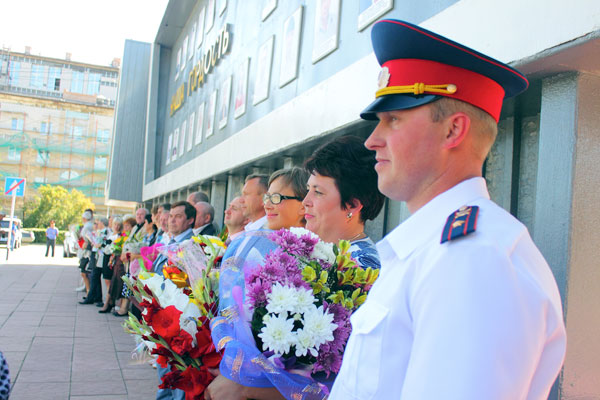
pixel 417 88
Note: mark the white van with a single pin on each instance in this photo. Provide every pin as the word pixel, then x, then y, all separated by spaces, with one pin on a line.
pixel 4 225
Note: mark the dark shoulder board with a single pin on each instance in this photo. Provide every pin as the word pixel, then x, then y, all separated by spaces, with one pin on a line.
pixel 460 223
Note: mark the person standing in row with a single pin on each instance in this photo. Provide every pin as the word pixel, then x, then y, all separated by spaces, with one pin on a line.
pixel 465 306
pixel 51 234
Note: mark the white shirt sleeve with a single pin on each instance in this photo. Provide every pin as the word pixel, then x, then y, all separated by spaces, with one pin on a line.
pixel 477 328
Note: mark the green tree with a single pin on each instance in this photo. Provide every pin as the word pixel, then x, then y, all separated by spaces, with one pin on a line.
pixel 58 204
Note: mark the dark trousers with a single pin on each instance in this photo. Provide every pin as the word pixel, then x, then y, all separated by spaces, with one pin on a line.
pixel 95 293
pixel 49 243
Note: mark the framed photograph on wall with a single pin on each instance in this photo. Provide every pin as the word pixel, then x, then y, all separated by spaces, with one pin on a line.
pixel 221 6
pixel 169 145
pixel 290 46
pixel 268 7
pixel 241 88
pixel 371 10
pixel 210 113
pixel 327 27
pixel 177 64
pixel 175 143
pixel 224 103
pixel 182 138
pixel 191 46
pixel 210 16
pixel 184 47
pixel 200 123
pixel 190 140
pixel 263 71
pixel 200 30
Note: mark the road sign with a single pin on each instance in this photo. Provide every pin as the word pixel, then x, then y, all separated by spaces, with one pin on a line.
pixel 16 185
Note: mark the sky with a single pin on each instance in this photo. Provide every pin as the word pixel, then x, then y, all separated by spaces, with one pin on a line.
pixel 92 31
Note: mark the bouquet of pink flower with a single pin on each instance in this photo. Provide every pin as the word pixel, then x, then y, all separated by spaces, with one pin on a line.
pixel 301 299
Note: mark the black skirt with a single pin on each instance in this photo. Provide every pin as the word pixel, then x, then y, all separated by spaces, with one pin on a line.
pixel 107 271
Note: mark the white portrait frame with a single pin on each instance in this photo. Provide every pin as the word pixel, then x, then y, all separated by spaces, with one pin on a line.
pixel 262 80
pixel 326 38
pixel 367 14
pixel 290 47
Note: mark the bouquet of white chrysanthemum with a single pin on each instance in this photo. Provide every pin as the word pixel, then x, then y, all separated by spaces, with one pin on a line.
pixel 292 320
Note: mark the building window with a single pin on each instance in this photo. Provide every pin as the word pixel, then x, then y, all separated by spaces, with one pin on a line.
pixel 93 86
pixel 100 163
pixel 78 132
pixel 103 135
pixel 69 176
pixel 14 154
pixel 43 157
pixel 77 82
pixel 36 79
pixel 17 124
pixel 54 78
pixel 13 73
pixel 45 128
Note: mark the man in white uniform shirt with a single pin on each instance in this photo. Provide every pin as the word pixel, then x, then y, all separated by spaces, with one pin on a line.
pixel 465 306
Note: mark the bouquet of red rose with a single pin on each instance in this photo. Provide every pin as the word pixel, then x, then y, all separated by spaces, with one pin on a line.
pixel 177 309
pixel 173 328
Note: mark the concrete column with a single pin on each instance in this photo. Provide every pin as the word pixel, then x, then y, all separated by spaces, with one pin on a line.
pixel 288 162
pixel 218 195
pixel 234 187
pixel 567 219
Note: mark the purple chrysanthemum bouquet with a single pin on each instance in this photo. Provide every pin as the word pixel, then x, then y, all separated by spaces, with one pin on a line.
pixel 302 298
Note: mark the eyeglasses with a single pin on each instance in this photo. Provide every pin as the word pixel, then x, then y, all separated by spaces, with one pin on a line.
pixel 276 198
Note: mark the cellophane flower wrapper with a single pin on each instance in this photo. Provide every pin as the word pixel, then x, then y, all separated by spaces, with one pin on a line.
pixel 173 327
pixel 295 346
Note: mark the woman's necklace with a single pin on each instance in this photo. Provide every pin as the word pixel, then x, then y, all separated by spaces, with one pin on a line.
pixel 357 236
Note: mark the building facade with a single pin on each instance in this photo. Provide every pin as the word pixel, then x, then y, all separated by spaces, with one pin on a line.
pixel 56 123
pixel 237 87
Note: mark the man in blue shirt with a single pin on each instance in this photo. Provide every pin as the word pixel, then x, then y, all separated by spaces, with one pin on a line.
pixel 181 221
pixel 51 234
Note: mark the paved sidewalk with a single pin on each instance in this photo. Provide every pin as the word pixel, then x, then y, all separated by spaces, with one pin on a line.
pixel 57 348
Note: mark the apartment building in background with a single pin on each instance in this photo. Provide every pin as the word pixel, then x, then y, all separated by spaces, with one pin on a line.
pixel 56 123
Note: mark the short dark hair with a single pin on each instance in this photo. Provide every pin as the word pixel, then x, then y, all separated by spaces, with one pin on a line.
pixel 148 218
pixel 166 206
pixel 352 167
pixel 190 210
pixel 263 180
pixel 295 178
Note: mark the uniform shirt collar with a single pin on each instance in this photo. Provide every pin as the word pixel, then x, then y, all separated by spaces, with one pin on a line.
pixel 429 220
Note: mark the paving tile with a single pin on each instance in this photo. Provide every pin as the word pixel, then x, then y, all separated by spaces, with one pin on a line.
pixel 142 386
pixel 90 373
pixel 47 391
pixel 98 387
pixel 101 397
pixel 143 372
pixel 15 343
pixel 14 360
pixel 43 376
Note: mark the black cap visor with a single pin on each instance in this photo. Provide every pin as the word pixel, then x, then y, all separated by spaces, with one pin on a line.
pixel 393 102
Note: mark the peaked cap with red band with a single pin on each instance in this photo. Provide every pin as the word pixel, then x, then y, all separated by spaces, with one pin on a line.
pixel 419 66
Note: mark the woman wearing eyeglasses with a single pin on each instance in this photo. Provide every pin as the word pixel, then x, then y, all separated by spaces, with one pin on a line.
pixel 283 200
pixel 339 194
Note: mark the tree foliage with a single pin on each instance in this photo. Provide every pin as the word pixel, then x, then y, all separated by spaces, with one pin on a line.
pixel 58 204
